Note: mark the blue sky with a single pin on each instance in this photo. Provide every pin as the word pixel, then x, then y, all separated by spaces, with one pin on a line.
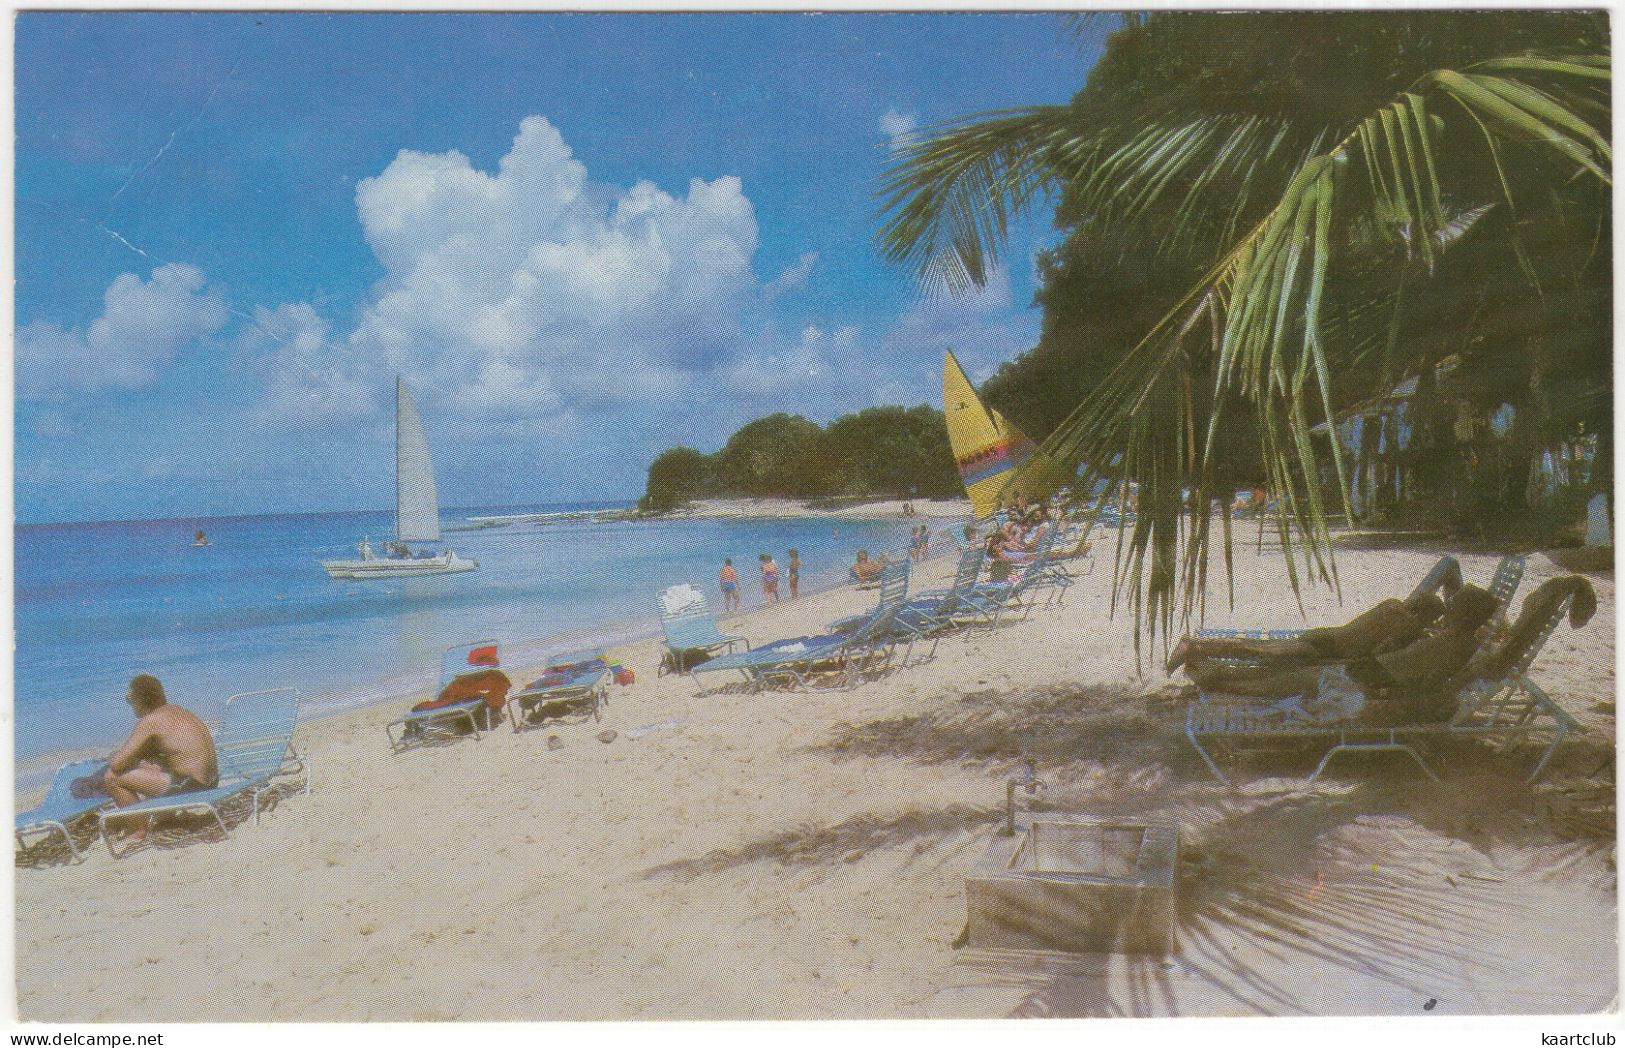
pixel 582 238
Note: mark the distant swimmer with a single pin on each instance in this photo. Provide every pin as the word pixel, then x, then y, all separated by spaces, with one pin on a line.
pixel 770 579
pixel 730 586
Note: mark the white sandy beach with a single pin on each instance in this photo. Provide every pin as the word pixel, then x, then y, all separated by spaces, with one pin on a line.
pixel 794 855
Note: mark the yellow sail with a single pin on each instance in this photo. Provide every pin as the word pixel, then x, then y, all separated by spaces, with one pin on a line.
pixel 986 447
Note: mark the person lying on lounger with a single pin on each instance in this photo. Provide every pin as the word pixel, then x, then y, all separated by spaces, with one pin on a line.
pixel 169 752
pixel 1390 624
pixel 1429 657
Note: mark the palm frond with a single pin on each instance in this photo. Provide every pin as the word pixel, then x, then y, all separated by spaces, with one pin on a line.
pixel 1266 353
pixel 953 188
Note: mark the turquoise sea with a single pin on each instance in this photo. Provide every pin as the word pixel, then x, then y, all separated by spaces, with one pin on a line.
pixel 96 603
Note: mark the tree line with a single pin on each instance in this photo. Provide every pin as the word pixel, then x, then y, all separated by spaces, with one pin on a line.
pixel 890 452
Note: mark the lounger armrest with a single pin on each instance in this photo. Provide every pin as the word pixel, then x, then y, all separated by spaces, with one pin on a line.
pixel 1549 706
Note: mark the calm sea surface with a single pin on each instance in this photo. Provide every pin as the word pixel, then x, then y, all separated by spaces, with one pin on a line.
pixel 96 603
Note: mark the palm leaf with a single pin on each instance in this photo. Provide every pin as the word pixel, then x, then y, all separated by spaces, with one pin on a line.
pixel 1264 304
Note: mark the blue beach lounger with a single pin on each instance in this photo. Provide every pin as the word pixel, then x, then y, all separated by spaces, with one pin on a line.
pixel 575 686
pixel 254 746
pixel 800 660
pixel 1503 712
pixel 455 720
pixel 61 809
pixel 934 612
pixel 686 618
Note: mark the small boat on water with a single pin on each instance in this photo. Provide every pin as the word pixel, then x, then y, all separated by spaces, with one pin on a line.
pixel 417 511
pixel 200 539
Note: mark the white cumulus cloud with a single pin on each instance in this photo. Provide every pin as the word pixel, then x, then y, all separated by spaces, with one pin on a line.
pixel 898 127
pixel 142 326
pixel 533 287
pixel 794 278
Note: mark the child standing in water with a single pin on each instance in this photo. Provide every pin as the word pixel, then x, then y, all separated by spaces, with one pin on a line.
pixel 770 579
pixel 795 574
pixel 730 586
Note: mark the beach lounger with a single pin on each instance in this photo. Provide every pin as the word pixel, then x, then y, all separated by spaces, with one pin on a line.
pixel 474 668
pixel 892 582
pixel 60 809
pixel 802 660
pixel 686 618
pixel 253 748
pixel 989 602
pixel 1503 585
pixel 1503 712
pixel 930 614
pixel 575 687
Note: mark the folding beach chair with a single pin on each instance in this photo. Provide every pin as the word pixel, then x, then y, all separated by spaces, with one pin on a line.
pixel 472 689
pixel 575 687
pixel 686 618
pixel 801 660
pixel 253 747
pixel 1502 712
pixel 60 809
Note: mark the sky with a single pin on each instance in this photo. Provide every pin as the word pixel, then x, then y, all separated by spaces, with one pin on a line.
pixel 580 238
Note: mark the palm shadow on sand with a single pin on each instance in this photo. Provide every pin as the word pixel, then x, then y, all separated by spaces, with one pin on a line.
pixel 1383 878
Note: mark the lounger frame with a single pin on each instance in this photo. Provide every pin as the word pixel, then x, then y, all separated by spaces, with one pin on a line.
pixel 254 747
pixel 1503 713
pixel 575 701
pixel 60 810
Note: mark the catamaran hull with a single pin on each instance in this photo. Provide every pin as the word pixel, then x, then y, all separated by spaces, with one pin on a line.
pixel 387 568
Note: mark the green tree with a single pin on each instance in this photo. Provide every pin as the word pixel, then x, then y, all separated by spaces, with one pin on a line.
pixel 1322 210
pixel 777 456
pixel 675 476
pixel 896 451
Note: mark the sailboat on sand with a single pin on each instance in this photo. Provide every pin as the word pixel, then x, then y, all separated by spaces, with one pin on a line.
pixel 417 510
pixel 988 450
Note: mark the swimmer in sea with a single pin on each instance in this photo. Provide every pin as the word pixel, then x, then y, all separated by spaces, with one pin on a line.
pixel 730 586
pixel 770 579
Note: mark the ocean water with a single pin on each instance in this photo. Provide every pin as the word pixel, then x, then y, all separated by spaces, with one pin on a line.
pixel 97 603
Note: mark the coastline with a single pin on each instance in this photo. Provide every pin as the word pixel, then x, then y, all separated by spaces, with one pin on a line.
pixel 523 659
pixel 802 854
pixel 878 509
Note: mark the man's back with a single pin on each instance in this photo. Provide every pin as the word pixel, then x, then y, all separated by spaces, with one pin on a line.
pixel 180 742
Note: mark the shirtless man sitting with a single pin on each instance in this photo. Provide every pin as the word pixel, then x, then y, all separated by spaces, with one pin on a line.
pixel 170 751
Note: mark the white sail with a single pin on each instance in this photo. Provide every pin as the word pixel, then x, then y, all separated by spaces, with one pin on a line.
pixel 417 508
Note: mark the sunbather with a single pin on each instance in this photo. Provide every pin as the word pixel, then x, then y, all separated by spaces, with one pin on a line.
pixel 1391 624
pixel 170 751
pixel 1414 669
pixel 866 570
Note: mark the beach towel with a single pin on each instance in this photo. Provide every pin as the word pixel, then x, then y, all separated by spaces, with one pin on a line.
pixel 1494 663
pixel 491 685
pixel 564 673
pixel 675 600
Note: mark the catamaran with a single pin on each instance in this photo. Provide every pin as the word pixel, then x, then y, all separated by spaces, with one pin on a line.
pixel 417 510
